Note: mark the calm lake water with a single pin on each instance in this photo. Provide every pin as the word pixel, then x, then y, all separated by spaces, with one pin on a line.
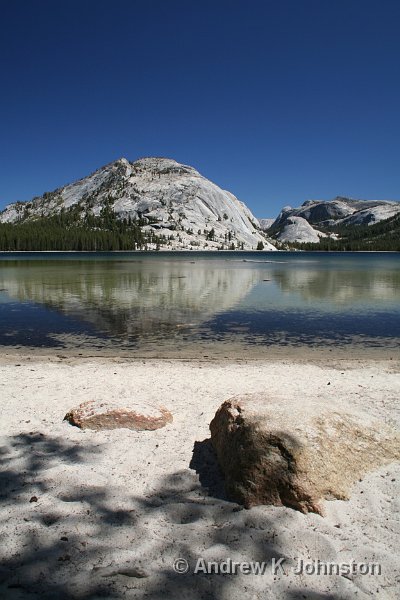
pixel 198 304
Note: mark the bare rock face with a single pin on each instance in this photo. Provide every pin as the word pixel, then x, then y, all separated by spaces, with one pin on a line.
pixel 104 415
pixel 171 199
pixel 297 229
pixel 280 452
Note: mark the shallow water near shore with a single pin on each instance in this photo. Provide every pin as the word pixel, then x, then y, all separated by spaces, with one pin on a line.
pixel 199 304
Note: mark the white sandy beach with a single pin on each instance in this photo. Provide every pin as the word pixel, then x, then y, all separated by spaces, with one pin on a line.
pixel 141 500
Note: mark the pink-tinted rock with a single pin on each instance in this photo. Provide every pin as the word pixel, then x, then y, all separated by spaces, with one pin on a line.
pixel 100 414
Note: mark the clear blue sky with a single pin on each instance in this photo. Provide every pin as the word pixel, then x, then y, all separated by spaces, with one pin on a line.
pixel 278 101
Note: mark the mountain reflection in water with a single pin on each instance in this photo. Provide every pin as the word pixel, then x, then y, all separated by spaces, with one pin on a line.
pixel 163 301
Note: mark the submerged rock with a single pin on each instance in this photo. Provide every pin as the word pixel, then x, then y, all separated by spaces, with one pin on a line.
pixel 274 451
pixel 96 414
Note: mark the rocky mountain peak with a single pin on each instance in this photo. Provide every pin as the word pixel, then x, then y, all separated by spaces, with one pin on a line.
pixel 166 198
pixel 161 166
pixel 316 219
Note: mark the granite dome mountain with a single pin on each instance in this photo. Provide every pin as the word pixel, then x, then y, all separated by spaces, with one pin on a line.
pixel 173 204
pixel 347 222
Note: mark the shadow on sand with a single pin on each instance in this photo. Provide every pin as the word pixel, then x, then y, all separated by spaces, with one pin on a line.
pixel 61 541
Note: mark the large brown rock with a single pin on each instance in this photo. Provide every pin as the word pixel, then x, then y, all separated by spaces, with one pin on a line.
pixel 96 414
pixel 274 451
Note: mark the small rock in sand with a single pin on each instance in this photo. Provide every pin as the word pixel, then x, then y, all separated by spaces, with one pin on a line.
pixel 105 415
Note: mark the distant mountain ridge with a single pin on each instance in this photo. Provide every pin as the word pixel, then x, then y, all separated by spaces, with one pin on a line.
pixel 158 203
pixel 162 203
pixel 317 221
